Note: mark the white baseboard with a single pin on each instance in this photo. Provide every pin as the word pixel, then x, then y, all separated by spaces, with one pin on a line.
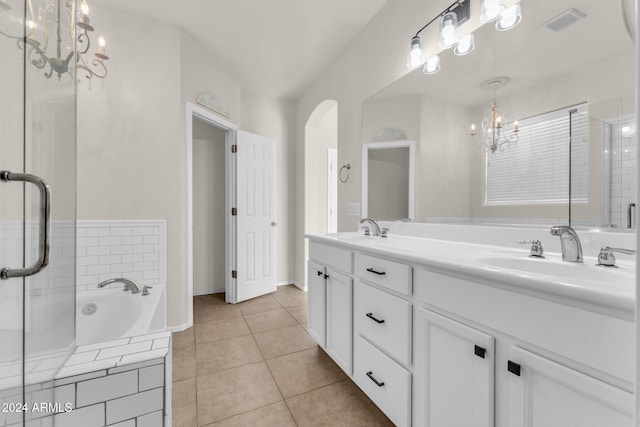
pixel 294 283
pixel 180 328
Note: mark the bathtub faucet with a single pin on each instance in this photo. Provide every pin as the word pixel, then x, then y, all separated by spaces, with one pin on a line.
pixel 129 285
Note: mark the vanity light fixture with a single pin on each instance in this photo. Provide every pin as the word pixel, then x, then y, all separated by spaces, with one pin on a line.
pixel 450 20
pixel 497 133
pixel 57 21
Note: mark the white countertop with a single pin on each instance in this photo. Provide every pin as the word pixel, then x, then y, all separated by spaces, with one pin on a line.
pixel 605 290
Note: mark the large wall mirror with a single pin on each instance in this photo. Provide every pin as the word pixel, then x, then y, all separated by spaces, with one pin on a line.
pixel 572 91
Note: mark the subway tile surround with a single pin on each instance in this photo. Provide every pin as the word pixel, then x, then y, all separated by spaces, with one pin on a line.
pixel 132 249
pixel 111 383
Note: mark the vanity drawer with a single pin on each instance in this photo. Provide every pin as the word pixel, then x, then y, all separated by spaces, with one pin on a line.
pixel 384 381
pixel 383 272
pixel 331 256
pixel 384 319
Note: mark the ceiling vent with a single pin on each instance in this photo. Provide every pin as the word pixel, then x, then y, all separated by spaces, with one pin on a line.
pixel 562 21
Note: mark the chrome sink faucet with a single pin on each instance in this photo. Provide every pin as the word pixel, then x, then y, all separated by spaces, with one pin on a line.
pixel 571 246
pixel 375 228
pixel 128 284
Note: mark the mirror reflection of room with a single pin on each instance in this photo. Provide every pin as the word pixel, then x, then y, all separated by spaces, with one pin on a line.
pixel 586 178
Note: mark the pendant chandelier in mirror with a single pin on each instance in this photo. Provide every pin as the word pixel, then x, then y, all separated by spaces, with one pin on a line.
pixel 497 132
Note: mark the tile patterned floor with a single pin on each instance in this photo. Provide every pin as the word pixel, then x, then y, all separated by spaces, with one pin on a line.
pixel 253 364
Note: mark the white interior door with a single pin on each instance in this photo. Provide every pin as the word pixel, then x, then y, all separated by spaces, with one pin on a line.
pixel 255 198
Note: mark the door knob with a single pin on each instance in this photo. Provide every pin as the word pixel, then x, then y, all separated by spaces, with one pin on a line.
pixel 273 223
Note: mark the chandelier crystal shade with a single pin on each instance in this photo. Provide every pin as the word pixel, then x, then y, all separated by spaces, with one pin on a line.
pixel 55 32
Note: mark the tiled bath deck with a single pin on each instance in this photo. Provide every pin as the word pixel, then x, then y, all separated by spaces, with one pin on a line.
pixel 253 364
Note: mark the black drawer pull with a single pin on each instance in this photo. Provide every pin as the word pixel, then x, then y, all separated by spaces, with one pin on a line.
pixel 320 273
pixel 370 316
pixel 326 276
pixel 370 375
pixel 480 352
pixel 379 273
pixel 513 367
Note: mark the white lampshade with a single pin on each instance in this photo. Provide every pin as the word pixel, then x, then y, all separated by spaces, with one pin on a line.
pixel 465 45
pixel 510 18
pixel 416 57
pixel 490 10
pixel 448 27
pixel 432 66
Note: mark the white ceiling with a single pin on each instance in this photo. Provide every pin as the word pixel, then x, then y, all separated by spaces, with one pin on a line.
pixel 529 53
pixel 275 47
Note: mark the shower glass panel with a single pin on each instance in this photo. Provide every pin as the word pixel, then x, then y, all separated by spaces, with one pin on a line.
pixel 11 213
pixel 39 138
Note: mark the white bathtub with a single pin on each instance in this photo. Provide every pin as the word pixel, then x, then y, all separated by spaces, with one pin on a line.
pixel 117 314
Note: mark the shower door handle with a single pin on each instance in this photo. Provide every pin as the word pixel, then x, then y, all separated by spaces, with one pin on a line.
pixel 45 217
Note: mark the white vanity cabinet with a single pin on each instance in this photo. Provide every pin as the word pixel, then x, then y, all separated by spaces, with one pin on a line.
pixel 434 346
pixel 454 373
pixel 330 302
pixel 548 394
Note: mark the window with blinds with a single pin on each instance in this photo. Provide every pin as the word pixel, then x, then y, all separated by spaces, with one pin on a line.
pixel 535 170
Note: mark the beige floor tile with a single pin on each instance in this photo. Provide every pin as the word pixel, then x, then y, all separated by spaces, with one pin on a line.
pixel 259 305
pixel 278 342
pixel 221 329
pixel 211 313
pixel 235 391
pixel 183 403
pixel 304 371
pixel 184 338
pixel 183 363
pixel 269 320
pixel 337 405
pixel 305 326
pixel 292 300
pixel 299 313
pixel 288 289
pixel 209 299
pixel 230 353
pixel 276 415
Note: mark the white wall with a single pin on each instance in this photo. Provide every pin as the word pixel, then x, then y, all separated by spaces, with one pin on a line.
pixel 209 213
pixel 375 59
pixel 131 135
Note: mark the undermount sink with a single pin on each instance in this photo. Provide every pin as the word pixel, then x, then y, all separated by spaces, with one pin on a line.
pixel 587 270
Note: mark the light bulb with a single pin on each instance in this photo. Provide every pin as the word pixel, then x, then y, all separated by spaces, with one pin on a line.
pixel 510 18
pixel 490 10
pixel 30 24
pixel 84 7
pixel 432 66
pixel 448 27
pixel 101 41
pixel 473 129
pixel 416 56
pixel 465 45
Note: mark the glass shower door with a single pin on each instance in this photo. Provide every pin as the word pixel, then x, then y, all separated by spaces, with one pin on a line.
pixel 37 123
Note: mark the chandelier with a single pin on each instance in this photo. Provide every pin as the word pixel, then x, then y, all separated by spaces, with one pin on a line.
pixel 59 20
pixel 497 133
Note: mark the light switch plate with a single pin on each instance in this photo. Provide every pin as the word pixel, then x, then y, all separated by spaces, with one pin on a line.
pixel 353 209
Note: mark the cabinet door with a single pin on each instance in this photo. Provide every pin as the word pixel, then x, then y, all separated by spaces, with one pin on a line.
pixel 547 394
pixel 316 303
pixel 454 373
pixel 339 319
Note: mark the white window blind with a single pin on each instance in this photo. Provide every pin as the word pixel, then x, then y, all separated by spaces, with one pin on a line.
pixel 535 170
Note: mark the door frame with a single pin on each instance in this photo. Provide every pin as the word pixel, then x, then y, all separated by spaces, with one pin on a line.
pixel 411 145
pixel 230 130
pixel 332 190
